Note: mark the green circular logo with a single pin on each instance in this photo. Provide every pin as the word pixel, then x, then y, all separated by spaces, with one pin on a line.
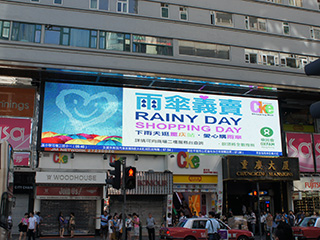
pixel 266 132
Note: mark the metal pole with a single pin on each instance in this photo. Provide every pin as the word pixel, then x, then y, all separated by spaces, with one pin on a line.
pixel 259 212
pixel 124 230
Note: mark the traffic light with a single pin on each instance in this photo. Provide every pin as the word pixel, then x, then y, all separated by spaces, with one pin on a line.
pixel 267 206
pixel 115 179
pixel 130 176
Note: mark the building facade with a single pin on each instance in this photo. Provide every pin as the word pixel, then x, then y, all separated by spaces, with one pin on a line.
pixel 253 49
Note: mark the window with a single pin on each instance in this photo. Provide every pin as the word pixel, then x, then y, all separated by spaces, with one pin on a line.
pixel 261 57
pixel 315 33
pixel 152 45
pixel 35 0
pixel 254 23
pixel 26 32
pixel 221 19
pixel 127 6
pixel 57 2
pixel 99 4
pixel 318 4
pixel 114 41
pixel 286 28
pixel 204 49
pixel 70 36
pixel 297 3
pixel 4 30
pixel 164 10
pixel 183 13
pixel 199 224
pixel 275 1
pixel 123 6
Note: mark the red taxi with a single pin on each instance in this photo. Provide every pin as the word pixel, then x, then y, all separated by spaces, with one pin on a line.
pixel 195 228
pixel 309 228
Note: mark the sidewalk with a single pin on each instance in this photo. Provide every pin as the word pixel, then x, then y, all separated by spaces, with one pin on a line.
pixel 16 237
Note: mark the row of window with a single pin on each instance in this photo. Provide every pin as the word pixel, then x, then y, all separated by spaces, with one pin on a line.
pixel 123 4
pixel 76 37
pixel 217 17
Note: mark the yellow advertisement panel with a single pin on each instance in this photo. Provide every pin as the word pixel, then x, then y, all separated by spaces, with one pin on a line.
pixel 196 179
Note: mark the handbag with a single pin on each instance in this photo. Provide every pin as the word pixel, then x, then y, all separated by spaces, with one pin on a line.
pixel 20 226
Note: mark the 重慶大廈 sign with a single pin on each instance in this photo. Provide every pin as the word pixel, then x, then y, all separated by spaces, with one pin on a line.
pixel 260 168
pixel 82 117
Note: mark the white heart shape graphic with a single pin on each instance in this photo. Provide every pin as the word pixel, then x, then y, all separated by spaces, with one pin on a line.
pixel 110 109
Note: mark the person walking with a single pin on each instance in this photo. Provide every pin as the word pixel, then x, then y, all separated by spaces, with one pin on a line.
pixel 23 227
pixel 61 221
pixel 169 220
pixel 150 226
pixel 72 224
pixel 32 226
pixel 212 227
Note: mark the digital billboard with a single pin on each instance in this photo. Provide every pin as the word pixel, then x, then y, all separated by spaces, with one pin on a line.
pixel 93 118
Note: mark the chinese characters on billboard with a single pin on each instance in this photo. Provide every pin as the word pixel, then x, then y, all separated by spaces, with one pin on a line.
pixel 82 117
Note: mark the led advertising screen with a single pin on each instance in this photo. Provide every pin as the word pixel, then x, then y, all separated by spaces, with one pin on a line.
pixel 98 118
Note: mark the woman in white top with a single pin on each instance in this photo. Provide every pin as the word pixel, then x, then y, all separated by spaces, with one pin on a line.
pixel 169 220
pixel 110 227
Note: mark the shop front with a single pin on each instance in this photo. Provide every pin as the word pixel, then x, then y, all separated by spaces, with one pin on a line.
pixel 197 184
pixel 306 195
pixel 249 181
pixel 153 194
pixel 67 182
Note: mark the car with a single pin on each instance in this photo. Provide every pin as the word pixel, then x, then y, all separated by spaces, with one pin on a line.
pixel 307 229
pixel 195 228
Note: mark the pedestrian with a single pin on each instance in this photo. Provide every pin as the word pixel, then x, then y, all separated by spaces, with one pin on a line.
pixel 9 226
pixel 110 227
pixel 38 221
pixel 269 223
pixel 194 214
pixel 39 224
pixel 291 218
pixel 283 232
pixel 119 227
pixel 72 224
pixel 104 218
pixel 262 222
pixel 182 216
pixel 169 220
pixel 23 227
pixel 129 225
pixel 32 226
pixel 136 226
pixel 150 226
pixel 252 219
pixel 61 221
pixel 212 227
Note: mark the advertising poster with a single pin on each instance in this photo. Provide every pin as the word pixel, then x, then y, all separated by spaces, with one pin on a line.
pixel 16 131
pixel 316 140
pixel 300 145
pixel 17 102
pixel 91 118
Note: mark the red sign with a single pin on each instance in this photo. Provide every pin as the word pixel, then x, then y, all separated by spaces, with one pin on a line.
pixel 300 145
pixel 16 131
pixel 21 159
pixel 16 102
pixel 316 140
pixel 69 191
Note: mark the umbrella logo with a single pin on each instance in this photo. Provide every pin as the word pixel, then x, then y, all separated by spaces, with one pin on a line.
pixel 84 109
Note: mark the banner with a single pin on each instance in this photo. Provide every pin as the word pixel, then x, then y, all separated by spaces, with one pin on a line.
pixel 17 102
pixel 82 118
pixel 300 145
pixel 16 131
